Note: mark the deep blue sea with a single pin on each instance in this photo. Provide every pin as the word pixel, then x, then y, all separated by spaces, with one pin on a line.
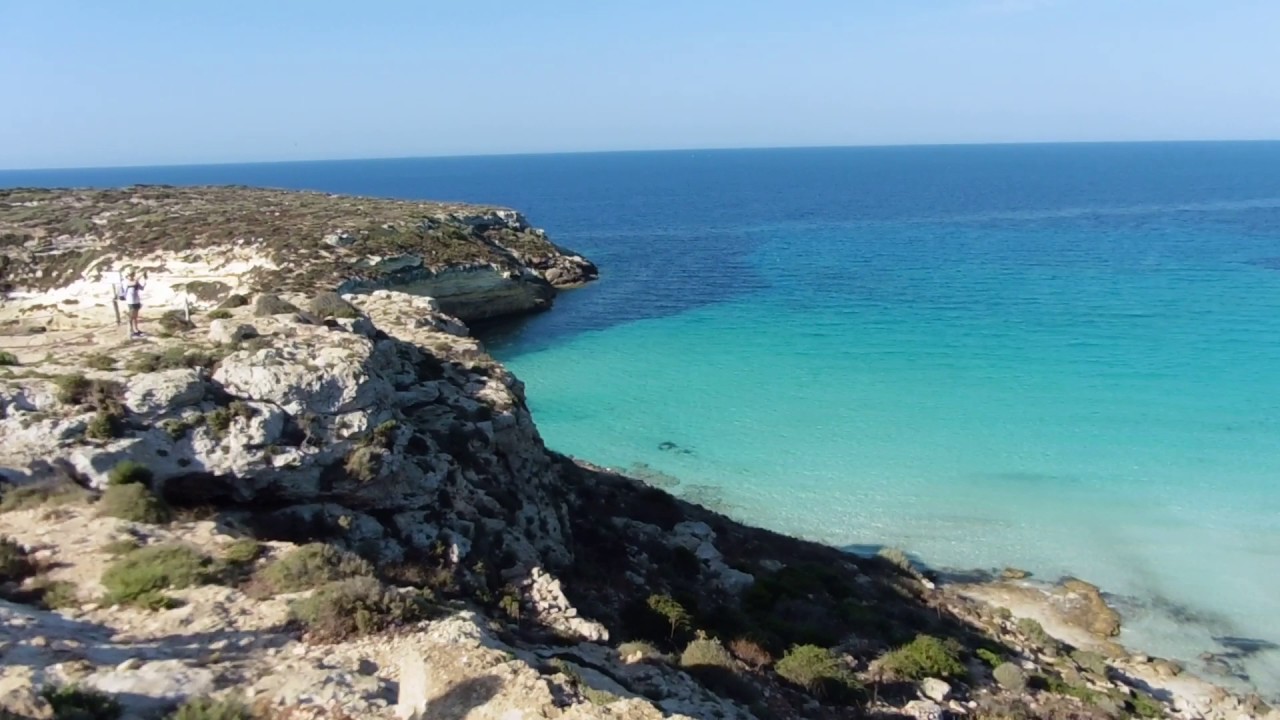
pixel 1059 357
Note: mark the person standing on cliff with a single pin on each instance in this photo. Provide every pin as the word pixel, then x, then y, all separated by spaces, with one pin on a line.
pixel 133 298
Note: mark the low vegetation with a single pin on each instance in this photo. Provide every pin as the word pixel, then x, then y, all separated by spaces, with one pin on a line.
pixel 817 670
pixel 311 566
pixel 1035 632
pixel 130 472
pixel 42 494
pixel 356 606
pixel 140 577
pixel 15 565
pixel 8 358
pixel 926 656
pixel 133 502
pixel 69 702
pixel 211 709
pixel 219 314
pixel 174 357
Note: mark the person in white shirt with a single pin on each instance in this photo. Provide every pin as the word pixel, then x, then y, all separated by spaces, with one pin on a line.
pixel 133 298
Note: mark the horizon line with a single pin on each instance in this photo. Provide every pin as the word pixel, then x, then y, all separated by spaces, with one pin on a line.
pixel 462 156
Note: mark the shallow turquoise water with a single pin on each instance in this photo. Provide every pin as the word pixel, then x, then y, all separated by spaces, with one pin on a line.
pixel 1060 357
pixel 1113 418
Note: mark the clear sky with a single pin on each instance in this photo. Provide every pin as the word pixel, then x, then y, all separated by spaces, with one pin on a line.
pixel 135 82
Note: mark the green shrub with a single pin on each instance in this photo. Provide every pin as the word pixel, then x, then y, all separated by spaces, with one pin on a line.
pixel 267 304
pixel 331 304
pixel 672 611
pixel 926 656
pixel 233 301
pixel 990 658
pixel 54 594
pixel 242 551
pixel 1035 632
pixel 104 426
pixel 311 566
pixel 1144 706
pixel 704 652
pixel 817 670
pixel 178 429
pixel 175 321
pixel 96 394
pixel 219 314
pixel 69 702
pixel 175 357
pixel 15 566
pixel 8 358
pixel 134 503
pixel 1090 661
pixel 100 361
pixel 219 420
pixel 356 606
pixel 130 472
pixel 210 709
pixel 49 493
pixel 708 661
pixel 142 574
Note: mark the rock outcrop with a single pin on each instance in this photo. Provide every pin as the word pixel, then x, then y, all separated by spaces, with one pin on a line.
pixel 61 251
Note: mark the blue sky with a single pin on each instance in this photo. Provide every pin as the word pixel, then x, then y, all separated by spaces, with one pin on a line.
pixel 131 82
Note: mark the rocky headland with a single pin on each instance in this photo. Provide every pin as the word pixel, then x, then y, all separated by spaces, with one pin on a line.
pixel 311 493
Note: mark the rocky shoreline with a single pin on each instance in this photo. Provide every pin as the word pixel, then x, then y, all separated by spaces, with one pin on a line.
pixel 319 505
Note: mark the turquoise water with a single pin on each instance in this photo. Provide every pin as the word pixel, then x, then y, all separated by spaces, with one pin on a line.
pixel 1064 358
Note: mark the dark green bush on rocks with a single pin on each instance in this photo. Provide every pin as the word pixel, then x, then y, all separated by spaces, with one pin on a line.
pixel 926 656
pixel 8 358
pixel 15 566
pixel 311 566
pixel 818 671
pixel 356 606
pixel 219 314
pixel 139 577
pixel 133 502
pixel 130 472
pixel 69 702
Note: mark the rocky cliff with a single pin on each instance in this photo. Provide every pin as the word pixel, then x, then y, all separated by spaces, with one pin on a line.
pixel 61 250
pixel 347 511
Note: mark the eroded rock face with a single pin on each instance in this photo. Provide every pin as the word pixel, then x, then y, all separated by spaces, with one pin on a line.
pixel 392 425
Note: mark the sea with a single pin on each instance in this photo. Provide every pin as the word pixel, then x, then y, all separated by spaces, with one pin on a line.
pixel 1063 358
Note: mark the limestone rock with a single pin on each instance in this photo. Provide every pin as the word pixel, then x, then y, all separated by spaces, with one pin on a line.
pixel 154 686
pixel 552 608
pixel 163 391
pixel 19 698
pixel 924 710
pixel 229 332
pixel 935 689
pixel 1085 607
